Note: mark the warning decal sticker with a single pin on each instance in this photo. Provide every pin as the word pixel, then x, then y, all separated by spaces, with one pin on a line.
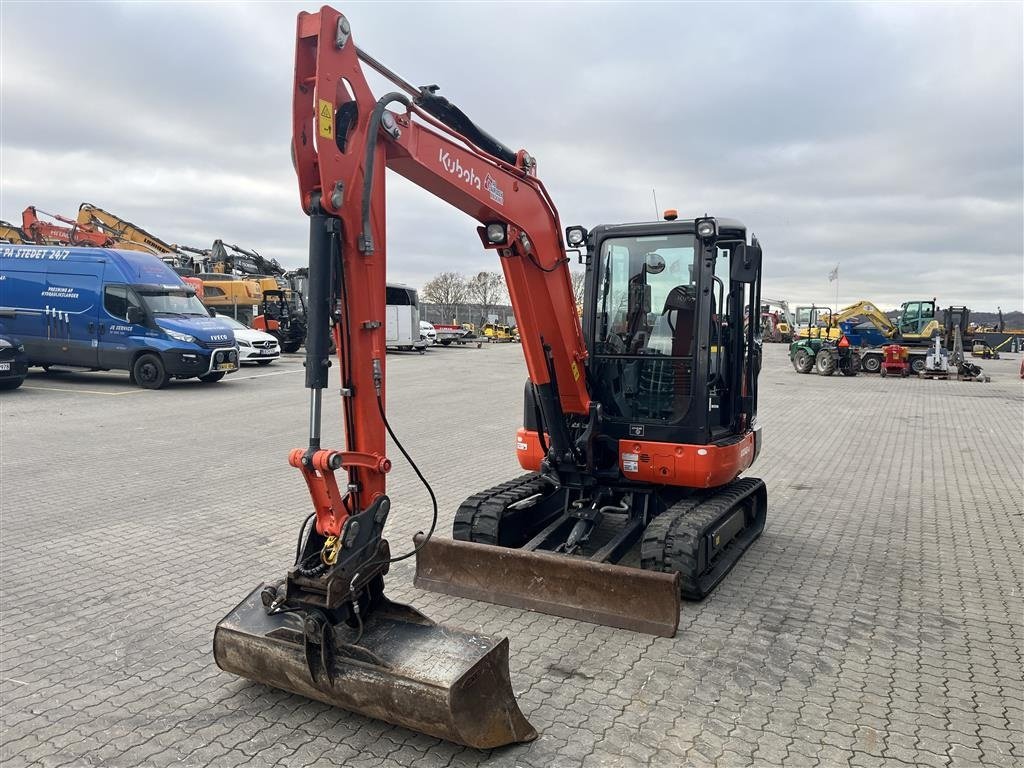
pixel 325 119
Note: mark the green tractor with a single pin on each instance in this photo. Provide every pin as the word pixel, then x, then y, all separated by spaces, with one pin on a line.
pixel 825 355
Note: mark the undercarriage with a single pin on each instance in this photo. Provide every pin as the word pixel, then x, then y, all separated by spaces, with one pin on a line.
pixel 618 556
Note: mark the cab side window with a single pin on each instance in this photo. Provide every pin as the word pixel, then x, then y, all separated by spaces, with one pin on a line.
pixel 115 301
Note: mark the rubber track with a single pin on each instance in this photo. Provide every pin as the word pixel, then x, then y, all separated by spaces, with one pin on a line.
pixel 672 541
pixel 479 517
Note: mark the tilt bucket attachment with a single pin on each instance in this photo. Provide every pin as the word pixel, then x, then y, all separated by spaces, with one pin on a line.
pixel 401 668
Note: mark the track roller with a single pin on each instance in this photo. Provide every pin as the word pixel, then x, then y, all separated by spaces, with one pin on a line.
pixel 509 514
pixel 703 538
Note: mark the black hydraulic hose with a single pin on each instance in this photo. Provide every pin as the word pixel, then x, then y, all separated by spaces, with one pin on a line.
pixel 365 238
pixel 302 536
pixel 430 491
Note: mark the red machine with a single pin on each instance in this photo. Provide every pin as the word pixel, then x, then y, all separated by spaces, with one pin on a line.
pixel 895 360
pixel 46 233
pixel 637 422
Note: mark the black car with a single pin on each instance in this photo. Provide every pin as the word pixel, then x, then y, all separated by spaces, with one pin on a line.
pixel 13 362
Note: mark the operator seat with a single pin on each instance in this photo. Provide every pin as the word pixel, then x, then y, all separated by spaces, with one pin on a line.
pixel 679 313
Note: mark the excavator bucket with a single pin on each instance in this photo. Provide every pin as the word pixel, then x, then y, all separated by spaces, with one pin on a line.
pixel 588 590
pixel 402 668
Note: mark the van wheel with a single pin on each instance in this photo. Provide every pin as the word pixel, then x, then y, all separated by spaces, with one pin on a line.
pixel 212 378
pixel 149 372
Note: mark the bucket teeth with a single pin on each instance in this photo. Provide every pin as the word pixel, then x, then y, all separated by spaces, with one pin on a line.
pixel 403 669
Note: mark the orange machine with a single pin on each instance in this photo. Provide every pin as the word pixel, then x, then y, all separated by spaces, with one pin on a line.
pixel 895 360
pixel 47 233
pixel 638 420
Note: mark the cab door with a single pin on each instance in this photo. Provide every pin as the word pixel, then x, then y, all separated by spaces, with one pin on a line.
pixel 115 331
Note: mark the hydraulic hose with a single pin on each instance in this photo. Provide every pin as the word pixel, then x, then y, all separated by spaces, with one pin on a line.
pixel 365 238
pixel 430 491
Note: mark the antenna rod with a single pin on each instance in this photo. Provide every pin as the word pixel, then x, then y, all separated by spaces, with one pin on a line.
pixel 657 210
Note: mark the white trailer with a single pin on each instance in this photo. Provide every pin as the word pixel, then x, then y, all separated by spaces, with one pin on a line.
pixel 402 319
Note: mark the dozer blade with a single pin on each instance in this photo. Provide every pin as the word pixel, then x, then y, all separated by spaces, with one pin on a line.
pixel 405 670
pixel 560 585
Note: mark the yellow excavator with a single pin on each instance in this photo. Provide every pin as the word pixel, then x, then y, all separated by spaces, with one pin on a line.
pixel 916 321
pixel 227 294
pixel 12 234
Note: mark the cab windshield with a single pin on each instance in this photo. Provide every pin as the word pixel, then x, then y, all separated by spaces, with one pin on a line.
pixel 172 302
pixel 646 319
pixel 646 296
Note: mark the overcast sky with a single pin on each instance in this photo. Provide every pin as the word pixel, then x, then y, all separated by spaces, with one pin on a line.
pixel 885 138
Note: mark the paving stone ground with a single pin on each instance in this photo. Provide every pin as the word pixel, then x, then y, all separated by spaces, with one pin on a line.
pixel 878 621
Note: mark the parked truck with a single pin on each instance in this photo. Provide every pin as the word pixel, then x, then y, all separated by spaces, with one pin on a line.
pixel 104 309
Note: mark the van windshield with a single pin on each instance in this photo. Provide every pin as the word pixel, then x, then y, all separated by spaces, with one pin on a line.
pixel 166 302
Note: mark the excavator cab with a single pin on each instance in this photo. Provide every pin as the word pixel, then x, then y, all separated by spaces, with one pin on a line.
pixel 650 475
pixel 914 316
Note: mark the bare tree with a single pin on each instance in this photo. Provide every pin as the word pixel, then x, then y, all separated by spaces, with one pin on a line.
pixel 448 290
pixel 486 289
pixel 577 286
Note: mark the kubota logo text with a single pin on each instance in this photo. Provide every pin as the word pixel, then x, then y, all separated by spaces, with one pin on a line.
pixel 454 167
pixel 470 176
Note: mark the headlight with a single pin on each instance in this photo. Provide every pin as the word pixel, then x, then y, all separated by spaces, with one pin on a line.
pixel 177 336
pixel 496 233
pixel 707 228
pixel 242 343
pixel 575 236
pixel 20 348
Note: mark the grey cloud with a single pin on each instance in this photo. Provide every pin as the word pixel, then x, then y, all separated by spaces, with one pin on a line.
pixel 884 137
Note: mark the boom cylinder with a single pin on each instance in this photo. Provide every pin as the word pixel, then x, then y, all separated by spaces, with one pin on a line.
pixel 322 245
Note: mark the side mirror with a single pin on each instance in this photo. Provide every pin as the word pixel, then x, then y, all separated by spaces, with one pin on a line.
pixel 136 315
pixel 211 311
pixel 746 262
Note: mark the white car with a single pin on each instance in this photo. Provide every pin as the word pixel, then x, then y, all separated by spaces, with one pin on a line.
pixel 253 346
pixel 427 333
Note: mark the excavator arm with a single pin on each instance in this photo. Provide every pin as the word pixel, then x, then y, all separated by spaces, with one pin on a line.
pixel 12 234
pixel 343 140
pixel 128 235
pixel 47 233
pixel 869 311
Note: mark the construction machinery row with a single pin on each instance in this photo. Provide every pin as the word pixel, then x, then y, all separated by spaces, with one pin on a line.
pixel 639 417
pixel 917 343
pixel 230 279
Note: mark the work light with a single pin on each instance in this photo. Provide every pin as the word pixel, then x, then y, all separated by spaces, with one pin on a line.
pixel 496 233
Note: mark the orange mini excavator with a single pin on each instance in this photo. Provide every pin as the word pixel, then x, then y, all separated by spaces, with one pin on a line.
pixel 639 417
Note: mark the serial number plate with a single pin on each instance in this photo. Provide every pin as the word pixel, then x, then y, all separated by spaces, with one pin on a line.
pixel 226 367
pixel 5 366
